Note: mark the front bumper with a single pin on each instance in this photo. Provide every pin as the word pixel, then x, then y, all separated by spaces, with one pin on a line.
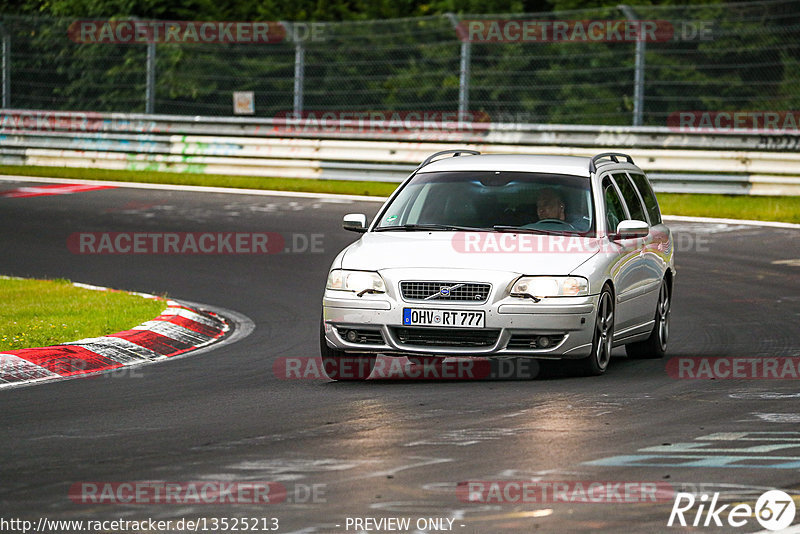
pixel 513 327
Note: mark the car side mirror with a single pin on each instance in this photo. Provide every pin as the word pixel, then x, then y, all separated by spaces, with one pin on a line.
pixel 355 222
pixel 630 229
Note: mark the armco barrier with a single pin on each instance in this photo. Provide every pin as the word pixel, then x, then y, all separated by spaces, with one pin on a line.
pixel 700 162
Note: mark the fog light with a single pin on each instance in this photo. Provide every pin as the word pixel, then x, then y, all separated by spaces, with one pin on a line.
pixel 351 336
pixel 543 342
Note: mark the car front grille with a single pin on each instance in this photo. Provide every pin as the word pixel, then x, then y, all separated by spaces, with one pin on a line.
pixel 445 291
pixel 446 337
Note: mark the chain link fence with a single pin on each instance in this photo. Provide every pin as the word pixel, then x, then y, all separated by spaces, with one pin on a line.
pixel 614 66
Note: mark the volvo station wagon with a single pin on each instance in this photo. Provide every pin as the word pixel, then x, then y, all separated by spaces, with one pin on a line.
pixel 504 256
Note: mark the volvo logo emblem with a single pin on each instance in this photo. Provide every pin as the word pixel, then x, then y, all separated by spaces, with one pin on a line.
pixel 444 291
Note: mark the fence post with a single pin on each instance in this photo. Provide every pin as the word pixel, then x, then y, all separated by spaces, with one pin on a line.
pixel 150 88
pixel 299 75
pixel 6 37
pixel 299 68
pixel 638 83
pixel 463 71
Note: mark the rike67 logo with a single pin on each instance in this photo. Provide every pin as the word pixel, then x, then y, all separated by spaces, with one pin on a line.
pixel 774 510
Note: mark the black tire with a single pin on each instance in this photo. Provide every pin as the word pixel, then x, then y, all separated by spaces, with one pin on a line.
pixel 341 366
pixel 655 346
pixel 597 362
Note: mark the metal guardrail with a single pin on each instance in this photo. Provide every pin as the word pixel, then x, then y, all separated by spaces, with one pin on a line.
pixel 693 161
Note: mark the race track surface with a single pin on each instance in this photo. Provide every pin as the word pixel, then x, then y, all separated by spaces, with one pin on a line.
pixel 389 448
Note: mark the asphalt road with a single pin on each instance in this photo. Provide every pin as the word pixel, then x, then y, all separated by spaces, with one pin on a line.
pixel 389 448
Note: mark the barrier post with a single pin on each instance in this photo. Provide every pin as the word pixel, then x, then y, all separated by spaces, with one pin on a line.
pixel 6 38
pixel 638 82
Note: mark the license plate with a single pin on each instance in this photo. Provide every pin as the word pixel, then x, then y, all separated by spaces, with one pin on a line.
pixel 451 318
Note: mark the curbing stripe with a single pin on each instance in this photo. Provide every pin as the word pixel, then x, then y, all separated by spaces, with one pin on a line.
pixel 112 351
pixel 67 360
pixel 194 188
pixel 187 313
pixel 163 345
pixel 178 330
pixel 114 345
pixel 14 369
pixel 195 326
pixel 51 190
pixel 173 331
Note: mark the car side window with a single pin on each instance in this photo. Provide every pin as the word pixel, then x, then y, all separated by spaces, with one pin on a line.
pixel 614 210
pixel 630 197
pixel 650 202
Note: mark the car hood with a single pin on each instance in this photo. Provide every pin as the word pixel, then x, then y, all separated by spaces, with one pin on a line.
pixel 520 253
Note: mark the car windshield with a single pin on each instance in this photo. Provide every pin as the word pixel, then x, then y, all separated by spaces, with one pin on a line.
pixel 492 201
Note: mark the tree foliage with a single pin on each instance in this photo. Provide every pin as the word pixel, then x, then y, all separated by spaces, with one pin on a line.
pixel 405 55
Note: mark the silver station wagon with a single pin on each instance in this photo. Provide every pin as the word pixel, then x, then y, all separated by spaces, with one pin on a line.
pixel 504 256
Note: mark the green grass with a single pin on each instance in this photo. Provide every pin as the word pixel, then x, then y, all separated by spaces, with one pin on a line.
pixel 785 209
pixel 343 187
pixel 38 313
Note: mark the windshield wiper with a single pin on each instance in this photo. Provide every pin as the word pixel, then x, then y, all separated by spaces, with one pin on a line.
pixel 443 227
pixel 505 228
pixel 522 229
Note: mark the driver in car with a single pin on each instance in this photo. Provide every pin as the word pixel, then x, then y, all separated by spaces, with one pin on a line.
pixel 550 205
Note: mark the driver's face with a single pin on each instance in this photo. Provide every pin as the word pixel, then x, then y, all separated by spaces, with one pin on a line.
pixel 550 207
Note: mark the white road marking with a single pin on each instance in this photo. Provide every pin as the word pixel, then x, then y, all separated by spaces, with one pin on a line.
pixel 192 188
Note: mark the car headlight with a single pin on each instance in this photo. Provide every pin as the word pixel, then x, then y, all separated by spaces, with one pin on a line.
pixel 550 286
pixel 359 282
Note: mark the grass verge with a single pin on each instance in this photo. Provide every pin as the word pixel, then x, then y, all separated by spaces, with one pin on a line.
pixel 785 209
pixel 342 187
pixel 38 313
pixel 779 208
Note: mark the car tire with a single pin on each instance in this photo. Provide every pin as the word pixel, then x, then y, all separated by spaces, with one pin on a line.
pixel 340 365
pixel 602 341
pixel 655 346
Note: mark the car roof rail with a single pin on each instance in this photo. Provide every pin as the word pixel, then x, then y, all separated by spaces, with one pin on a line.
pixel 455 154
pixel 612 155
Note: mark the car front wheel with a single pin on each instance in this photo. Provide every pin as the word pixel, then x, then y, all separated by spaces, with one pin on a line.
pixel 655 346
pixel 597 362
